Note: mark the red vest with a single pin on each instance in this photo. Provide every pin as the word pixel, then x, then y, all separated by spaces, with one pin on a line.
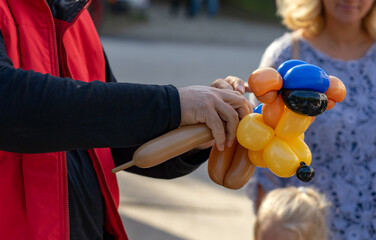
pixel 33 187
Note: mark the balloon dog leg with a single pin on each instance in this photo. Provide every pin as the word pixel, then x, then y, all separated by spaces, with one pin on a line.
pixel 230 168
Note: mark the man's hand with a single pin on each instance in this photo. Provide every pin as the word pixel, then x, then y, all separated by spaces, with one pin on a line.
pixel 231 83
pixel 219 109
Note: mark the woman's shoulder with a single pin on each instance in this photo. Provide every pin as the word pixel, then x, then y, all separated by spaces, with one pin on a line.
pixel 278 51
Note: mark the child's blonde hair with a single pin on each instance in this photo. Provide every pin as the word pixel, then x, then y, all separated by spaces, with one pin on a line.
pixel 308 15
pixel 301 210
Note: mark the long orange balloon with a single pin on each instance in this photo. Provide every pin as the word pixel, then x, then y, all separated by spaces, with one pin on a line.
pixel 169 145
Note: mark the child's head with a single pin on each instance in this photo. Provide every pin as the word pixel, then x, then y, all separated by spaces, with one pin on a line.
pixel 309 15
pixel 292 213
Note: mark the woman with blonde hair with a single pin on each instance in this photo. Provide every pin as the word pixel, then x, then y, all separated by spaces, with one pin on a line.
pixel 292 213
pixel 338 36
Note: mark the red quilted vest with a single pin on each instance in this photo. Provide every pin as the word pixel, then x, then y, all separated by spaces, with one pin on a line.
pixel 33 187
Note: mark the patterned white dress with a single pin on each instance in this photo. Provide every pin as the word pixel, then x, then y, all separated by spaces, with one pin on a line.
pixel 342 141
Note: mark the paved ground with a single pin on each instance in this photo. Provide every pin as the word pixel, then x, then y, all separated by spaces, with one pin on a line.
pixel 184 52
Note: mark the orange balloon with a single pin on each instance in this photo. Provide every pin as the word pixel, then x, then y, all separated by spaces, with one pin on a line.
pixel 168 145
pixel 241 169
pixel 219 162
pixel 331 104
pixel 264 80
pixel 336 91
pixel 313 118
pixel 268 97
pixel 272 112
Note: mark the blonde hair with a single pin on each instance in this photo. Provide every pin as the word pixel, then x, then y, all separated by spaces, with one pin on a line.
pixel 301 210
pixel 308 15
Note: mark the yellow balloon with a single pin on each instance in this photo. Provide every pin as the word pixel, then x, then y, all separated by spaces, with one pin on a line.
pixel 292 125
pixel 302 136
pixel 280 159
pixel 301 149
pixel 256 158
pixel 253 133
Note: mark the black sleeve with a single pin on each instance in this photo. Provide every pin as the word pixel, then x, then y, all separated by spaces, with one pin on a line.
pixel 42 113
pixel 176 167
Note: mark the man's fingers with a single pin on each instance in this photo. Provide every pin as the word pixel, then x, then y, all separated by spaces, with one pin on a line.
pixel 237 101
pixel 220 109
pixel 214 122
pixel 247 88
pixel 221 84
pixel 245 109
pixel 230 116
pixel 236 83
pixel 240 103
pixel 231 83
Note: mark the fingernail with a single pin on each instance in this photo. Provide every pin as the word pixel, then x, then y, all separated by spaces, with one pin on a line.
pixel 220 147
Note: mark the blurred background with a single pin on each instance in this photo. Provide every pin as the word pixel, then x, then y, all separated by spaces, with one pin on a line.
pixel 184 43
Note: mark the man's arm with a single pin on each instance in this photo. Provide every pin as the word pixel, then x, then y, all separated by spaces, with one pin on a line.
pixel 42 113
pixel 173 168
